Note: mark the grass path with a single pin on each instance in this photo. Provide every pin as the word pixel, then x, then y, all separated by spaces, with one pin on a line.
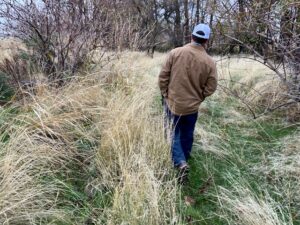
pixel 238 158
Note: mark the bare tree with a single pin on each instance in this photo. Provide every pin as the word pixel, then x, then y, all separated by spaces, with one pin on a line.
pixel 149 24
pixel 270 31
pixel 60 33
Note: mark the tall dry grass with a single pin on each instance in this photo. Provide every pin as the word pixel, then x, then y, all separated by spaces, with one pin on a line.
pixel 255 86
pixel 282 169
pixel 10 47
pixel 41 144
pixel 241 205
pixel 105 133
pixel 134 159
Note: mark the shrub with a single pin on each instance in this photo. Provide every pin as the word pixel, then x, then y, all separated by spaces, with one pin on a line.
pixel 6 91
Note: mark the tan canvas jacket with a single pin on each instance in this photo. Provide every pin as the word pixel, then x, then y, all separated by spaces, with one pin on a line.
pixel 187 78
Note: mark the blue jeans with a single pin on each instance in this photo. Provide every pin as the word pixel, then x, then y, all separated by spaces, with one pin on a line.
pixel 182 135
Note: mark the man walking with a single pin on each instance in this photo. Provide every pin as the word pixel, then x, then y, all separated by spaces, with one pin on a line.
pixel 187 78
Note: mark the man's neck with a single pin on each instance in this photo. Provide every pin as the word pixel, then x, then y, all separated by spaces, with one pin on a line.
pixel 198 45
pixel 195 43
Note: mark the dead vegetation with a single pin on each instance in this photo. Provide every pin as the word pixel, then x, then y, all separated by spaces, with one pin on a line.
pixel 88 127
pixel 257 88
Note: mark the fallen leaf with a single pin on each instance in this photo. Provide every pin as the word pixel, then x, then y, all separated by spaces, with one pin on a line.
pixel 205 186
pixel 189 201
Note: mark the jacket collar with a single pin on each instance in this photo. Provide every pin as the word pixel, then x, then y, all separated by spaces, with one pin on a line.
pixel 199 47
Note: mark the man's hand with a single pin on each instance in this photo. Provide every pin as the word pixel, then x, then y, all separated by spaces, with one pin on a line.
pixel 164 76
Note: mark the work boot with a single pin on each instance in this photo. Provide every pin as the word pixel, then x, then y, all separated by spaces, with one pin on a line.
pixel 182 175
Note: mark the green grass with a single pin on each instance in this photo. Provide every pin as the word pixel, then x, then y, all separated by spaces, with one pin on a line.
pixel 249 143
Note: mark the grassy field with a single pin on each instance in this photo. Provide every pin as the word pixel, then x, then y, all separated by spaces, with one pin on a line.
pixel 94 152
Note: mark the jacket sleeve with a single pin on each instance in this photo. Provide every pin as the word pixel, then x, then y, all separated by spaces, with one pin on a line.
pixel 211 83
pixel 164 76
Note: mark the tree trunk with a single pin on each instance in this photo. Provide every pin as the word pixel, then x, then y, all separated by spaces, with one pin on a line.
pixel 197 11
pixel 213 7
pixel 203 10
pixel 289 41
pixel 154 12
pixel 187 35
pixel 241 20
pixel 177 25
pixel 241 6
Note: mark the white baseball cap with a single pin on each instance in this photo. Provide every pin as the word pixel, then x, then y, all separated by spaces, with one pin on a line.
pixel 202 31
